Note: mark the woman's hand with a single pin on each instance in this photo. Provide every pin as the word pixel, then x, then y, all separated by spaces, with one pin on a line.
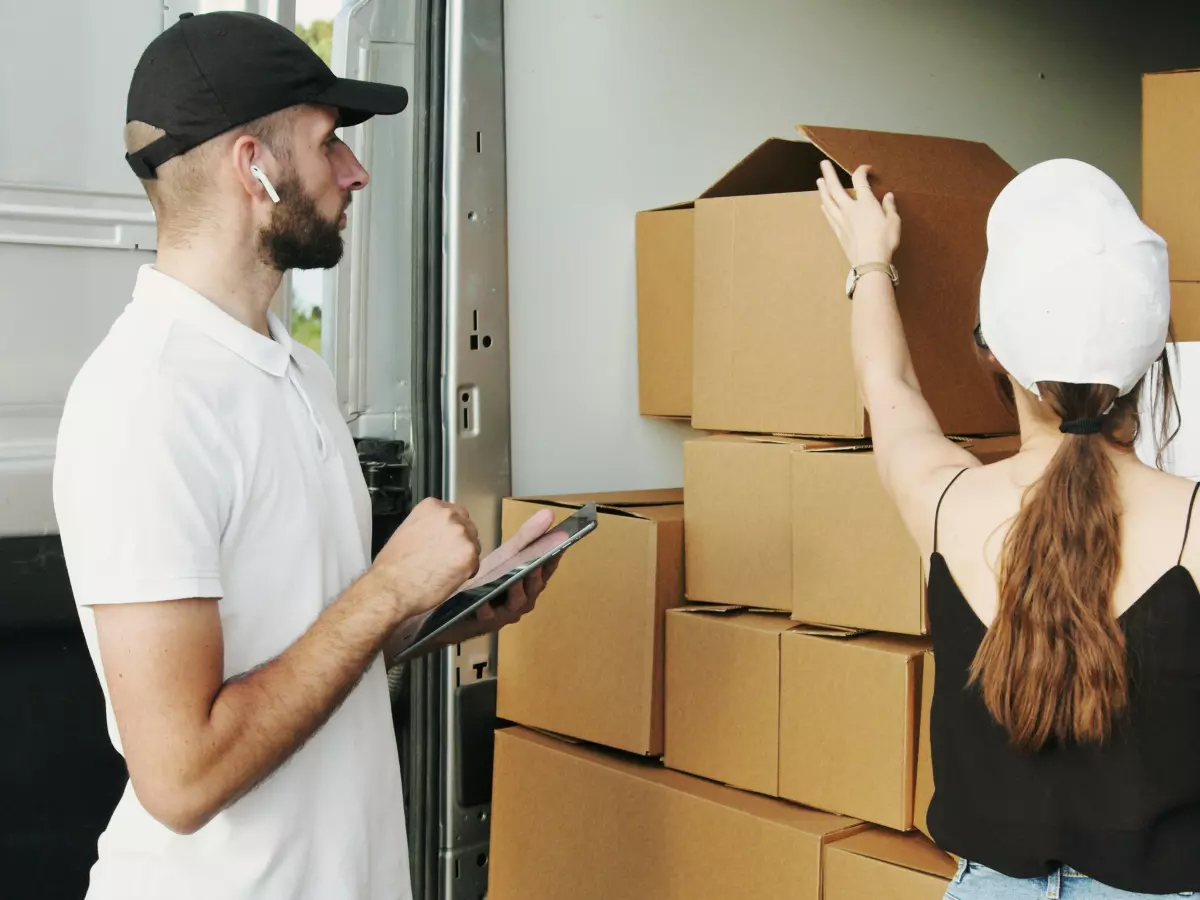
pixel 869 231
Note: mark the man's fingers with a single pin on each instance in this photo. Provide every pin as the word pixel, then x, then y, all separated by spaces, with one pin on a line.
pixel 516 597
pixel 534 584
pixel 485 613
pixel 537 525
pixel 551 567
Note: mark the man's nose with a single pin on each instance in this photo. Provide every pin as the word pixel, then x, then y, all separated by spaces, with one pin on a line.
pixel 352 175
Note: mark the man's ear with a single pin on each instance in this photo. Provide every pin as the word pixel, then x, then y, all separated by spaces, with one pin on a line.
pixel 248 154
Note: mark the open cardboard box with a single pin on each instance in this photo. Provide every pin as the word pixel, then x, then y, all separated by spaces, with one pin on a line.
pixel 1171 172
pixel 880 863
pixel 588 662
pixel 771 324
pixel 665 239
pixel 577 822
pixel 804 525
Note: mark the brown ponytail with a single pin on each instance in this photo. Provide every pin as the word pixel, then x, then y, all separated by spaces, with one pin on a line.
pixel 1052 666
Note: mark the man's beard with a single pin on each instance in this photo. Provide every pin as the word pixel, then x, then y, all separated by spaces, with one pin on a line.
pixel 298 236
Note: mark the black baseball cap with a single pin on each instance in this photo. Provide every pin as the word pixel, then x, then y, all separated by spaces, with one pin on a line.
pixel 210 73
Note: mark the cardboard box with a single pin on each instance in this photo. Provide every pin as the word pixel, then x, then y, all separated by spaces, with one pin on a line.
pixel 924 790
pixel 804 525
pixel 665 280
pixel 878 863
pixel 739 521
pixel 772 322
pixel 664 290
pixel 722 703
pixel 1171 167
pixel 588 663
pixel 570 821
pixel 854 562
pixel 848 724
pixel 1185 310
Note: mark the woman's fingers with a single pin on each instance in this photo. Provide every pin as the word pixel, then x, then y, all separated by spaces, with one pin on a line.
pixel 834 186
pixel 889 206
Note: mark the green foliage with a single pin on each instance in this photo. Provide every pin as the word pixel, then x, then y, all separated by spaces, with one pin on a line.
pixel 307 329
pixel 319 36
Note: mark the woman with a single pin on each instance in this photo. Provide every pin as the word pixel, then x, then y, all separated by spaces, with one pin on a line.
pixel 1065 620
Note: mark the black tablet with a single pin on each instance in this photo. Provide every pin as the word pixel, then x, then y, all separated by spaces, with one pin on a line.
pixel 492 586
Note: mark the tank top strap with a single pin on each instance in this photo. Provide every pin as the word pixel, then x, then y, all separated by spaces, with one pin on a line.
pixel 1186 528
pixel 937 513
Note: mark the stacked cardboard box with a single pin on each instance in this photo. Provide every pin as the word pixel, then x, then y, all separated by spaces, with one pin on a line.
pixel 1171 185
pixel 786 519
pixel 589 663
pixel 787 698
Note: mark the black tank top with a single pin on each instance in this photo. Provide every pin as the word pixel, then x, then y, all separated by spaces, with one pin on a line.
pixel 1126 813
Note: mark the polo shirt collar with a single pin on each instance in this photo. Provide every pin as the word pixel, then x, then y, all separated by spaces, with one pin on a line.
pixel 177 300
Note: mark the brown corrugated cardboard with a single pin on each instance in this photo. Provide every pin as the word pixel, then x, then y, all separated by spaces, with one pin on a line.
pixel 854 562
pixel 924 790
pixel 771 322
pixel 1185 310
pixel 575 822
pixel 879 863
pixel 847 724
pixel 760 508
pixel 722 696
pixel 664 289
pixel 739 521
pixel 1171 167
pixel 588 662
pixel 665 275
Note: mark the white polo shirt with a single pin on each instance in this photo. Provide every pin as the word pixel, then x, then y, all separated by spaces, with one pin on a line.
pixel 199 458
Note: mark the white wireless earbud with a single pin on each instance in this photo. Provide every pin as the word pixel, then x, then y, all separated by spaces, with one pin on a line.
pixel 262 179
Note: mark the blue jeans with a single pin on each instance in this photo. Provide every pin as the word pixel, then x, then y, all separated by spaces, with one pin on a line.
pixel 976 882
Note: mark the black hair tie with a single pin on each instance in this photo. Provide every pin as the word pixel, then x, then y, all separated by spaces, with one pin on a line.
pixel 1090 425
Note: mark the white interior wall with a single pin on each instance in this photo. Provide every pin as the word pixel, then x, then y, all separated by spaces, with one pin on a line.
pixel 619 105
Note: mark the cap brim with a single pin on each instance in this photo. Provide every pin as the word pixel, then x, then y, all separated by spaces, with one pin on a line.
pixel 358 101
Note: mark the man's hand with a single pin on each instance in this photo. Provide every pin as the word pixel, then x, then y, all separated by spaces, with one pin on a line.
pixel 428 557
pixel 522 596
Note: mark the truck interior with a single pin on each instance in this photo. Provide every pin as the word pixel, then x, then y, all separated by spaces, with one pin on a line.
pixel 482 325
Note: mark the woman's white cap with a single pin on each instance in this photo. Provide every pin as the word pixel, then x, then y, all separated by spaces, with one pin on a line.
pixel 1076 287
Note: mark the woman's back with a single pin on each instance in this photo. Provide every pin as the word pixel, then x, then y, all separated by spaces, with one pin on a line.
pixel 1126 811
pixel 977 511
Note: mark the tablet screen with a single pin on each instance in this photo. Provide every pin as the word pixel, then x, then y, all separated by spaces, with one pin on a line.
pixel 492 584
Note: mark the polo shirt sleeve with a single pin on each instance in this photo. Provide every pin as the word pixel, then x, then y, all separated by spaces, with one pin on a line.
pixel 142 493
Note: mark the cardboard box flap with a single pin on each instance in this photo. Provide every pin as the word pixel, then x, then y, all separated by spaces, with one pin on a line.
pixel 915 163
pixel 897 644
pixel 614 499
pixel 776 166
pixel 829 631
pixel 769 621
pixel 660 505
pixel 704 609
pixel 909 851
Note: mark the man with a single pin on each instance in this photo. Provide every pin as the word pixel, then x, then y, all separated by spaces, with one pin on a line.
pixel 214 517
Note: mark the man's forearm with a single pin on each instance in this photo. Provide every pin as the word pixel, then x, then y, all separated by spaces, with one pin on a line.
pixel 258 720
